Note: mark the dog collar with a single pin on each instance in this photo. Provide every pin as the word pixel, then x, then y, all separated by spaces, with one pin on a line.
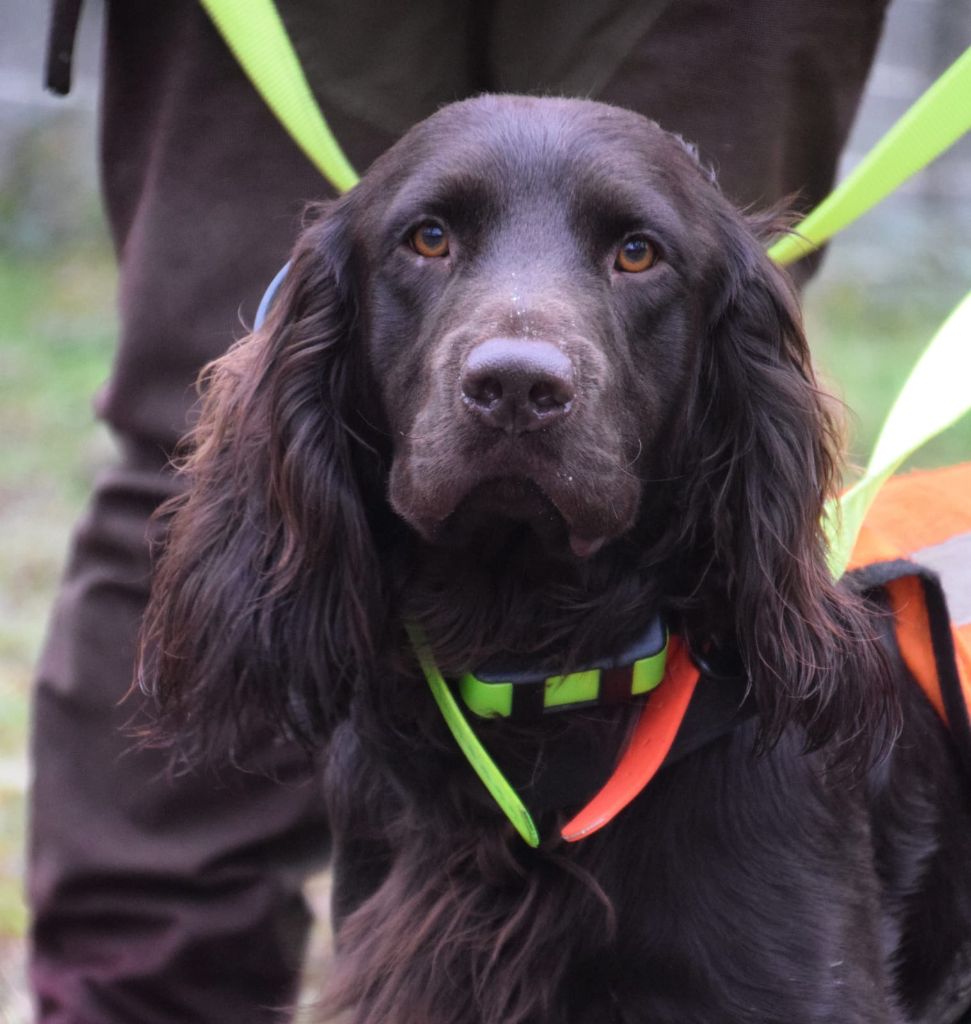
pixel 266 302
pixel 657 726
pixel 508 691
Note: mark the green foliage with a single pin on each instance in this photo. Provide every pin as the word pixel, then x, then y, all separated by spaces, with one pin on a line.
pixel 865 341
pixel 56 330
pixel 56 335
pixel 47 196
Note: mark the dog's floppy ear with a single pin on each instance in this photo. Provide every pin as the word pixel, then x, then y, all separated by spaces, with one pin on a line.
pixel 764 448
pixel 267 596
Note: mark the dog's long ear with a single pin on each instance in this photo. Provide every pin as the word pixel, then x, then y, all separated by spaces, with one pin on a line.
pixel 764 450
pixel 267 597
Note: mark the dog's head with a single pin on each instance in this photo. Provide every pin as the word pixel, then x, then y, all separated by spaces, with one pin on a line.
pixel 529 316
pixel 537 347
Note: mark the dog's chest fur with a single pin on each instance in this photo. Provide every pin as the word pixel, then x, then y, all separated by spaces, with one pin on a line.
pixel 738 887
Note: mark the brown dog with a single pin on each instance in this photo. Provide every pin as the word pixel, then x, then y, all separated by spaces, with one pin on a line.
pixel 532 382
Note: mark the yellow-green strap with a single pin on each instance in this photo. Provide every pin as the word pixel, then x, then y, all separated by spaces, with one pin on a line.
pixel 936 394
pixel 476 754
pixel 937 120
pixel 255 33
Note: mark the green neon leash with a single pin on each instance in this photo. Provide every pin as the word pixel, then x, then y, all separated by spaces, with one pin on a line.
pixel 255 33
pixel 476 754
pixel 936 394
pixel 932 124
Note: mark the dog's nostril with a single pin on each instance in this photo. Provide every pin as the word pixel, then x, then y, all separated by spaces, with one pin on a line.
pixel 516 385
pixel 547 395
pixel 484 391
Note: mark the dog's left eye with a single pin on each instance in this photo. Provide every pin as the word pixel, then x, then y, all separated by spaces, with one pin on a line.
pixel 636 255
pixel 429 240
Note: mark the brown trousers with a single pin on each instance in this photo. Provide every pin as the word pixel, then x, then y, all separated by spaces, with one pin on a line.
pixel 159 899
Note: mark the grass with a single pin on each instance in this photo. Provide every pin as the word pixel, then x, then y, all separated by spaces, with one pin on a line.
pixel 56 334
pixel 866 341
pixel 57 330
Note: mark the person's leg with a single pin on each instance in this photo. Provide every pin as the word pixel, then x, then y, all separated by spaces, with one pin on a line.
pixel 155 899
pixel 159 899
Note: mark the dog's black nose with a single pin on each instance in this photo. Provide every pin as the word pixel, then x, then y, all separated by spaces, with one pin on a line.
pixel 516 385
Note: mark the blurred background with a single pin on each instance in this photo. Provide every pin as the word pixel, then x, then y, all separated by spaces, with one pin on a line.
pixel 886 284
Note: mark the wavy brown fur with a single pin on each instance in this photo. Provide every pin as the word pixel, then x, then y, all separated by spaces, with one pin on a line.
pixel 338 482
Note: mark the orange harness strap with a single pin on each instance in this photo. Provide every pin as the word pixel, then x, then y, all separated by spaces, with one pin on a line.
pixel 932 647
pixel 913 631
pixel 658 725
pixel 916 543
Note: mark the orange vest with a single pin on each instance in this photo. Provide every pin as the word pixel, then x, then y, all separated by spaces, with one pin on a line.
pixel 916 543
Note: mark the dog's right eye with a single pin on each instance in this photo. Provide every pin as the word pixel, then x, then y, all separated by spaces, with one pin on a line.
pixel 636 255
pixel 429 240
